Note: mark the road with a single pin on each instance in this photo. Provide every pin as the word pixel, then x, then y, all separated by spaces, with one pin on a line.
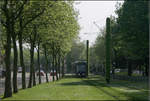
pixel 19 81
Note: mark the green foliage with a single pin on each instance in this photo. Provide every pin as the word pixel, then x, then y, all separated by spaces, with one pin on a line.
pixel 77 52
pixel 50 23
pixel 130 37
pixel 99 46
pixel 133 27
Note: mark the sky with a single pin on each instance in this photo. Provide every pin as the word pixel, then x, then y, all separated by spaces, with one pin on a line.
pixel 93 11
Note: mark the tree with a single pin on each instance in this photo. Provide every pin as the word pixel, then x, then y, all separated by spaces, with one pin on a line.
pixel 133 27
pixel 31 21
pixel 38 51
pixel 60 37
pixel 108 50
pixel 46 59
pixel 77 52
pixel 10 12
pixel 100 46
pixel 28 15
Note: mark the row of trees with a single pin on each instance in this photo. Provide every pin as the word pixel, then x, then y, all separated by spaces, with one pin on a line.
pixel 130 38
pixel 48 26
pixel 77 52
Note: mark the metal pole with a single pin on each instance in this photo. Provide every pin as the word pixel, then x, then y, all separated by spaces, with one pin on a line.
pixel 87 43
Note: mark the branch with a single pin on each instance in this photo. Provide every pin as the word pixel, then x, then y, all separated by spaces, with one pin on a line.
pixel 3 23
pixel 34 17
pixel 4 8
pixel 19 10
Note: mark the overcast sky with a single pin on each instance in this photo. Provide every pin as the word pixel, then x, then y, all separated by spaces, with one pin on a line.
pixel 91 11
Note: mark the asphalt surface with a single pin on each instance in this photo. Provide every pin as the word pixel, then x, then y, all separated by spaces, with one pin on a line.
pixel 19 81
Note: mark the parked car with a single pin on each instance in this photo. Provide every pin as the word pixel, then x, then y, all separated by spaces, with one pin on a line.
pixel 0 73
pixel 3 73
pixel 41 73
pixel 117 70
pixel 51 73
pixel 19 69
pixel 80 68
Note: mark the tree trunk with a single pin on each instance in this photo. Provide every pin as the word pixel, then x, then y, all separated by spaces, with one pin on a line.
pixel 32 70
pixel 46 63
pixel 53 69
pixel 129 67
pixel 8 89
pixel 56 66
pixel 21 56
pixel 46 77
pixel 146 66
pixel 39 62
pixel 63 65
pixel 140 69
pixel 31 66
pixel 34 39
pixel 15 68
pixel 59 65
pixel 116 61
pixel 34 76
pixel 146 70
pixel 53 63
pixel 22 62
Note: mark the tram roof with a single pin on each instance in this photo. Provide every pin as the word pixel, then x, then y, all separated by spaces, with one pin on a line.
pixel 81 61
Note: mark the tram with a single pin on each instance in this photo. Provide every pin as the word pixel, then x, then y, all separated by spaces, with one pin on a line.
pixel 80 68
